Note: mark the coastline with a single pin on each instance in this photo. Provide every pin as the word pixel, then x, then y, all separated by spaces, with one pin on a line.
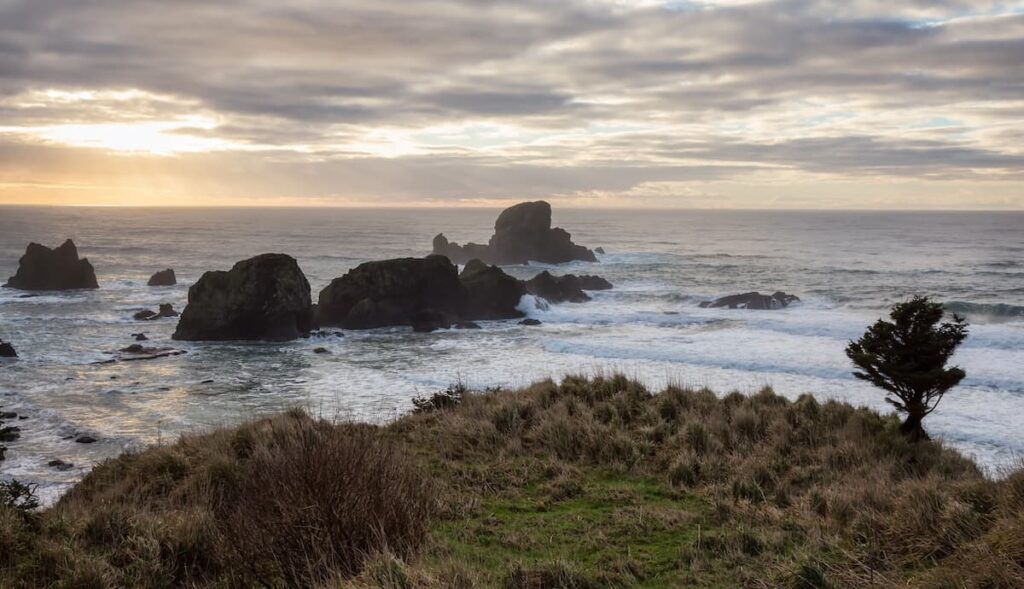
pixel 589 483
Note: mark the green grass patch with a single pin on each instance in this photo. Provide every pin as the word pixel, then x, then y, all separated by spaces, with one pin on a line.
pixel 616 529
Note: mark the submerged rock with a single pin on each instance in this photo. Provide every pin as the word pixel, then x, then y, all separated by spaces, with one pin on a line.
pixel 263 298
pixel 163 278
pixel 321 351
pixel 60 465
pixel 42 268
pixel 140 337
pixel 753 300
pixel 7 350
pixel 467 325
pixel 393 292
pixel 599 250
pixel 490 293
pixel 530 322
pixel 85 439
pixel 139 352
pixel 522 233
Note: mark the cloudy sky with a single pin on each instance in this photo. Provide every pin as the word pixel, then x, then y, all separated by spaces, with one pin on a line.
pixel 729 103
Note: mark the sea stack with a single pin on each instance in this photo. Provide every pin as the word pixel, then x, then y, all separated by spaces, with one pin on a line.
pixel 394 292
pixel 263 298
pixel 163 278
pixel 42 268
pixel 522 233
pixel 7 350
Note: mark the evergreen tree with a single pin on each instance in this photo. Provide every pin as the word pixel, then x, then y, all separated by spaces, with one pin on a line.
pixel 907 357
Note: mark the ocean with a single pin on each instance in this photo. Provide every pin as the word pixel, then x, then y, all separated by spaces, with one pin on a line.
pixel 847 267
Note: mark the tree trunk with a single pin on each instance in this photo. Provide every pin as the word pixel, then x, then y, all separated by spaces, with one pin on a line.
pixel 912 428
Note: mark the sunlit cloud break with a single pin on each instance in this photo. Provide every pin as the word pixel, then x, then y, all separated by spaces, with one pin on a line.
pixel 780 103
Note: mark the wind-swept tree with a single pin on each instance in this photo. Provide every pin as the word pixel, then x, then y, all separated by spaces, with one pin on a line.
pixel 907 357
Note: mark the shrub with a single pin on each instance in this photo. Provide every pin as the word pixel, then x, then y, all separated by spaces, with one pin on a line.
pixel 320 500
pixel 441 400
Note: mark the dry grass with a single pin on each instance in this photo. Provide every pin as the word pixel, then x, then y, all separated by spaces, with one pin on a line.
pixel 287 501
pixel 586 483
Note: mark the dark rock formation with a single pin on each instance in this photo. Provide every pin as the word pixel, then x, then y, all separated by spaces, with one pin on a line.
pixel 166 310
pixel 753 300
pixel 263 298
pixel 163 278
pixel 393 292
pixel 467 325
pixel 599 250
pixel 85 440
pixel 7 350
pixel 522 233
pixel 321 351
pixel 42 268
pixel 591 282
pixel 557 289
pixel 140 337
pixel 530 322
pixel 490 293
pixel 430 320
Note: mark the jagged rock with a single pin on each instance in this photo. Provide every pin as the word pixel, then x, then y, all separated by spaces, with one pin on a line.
pixel 490 293
pixel 7 350
pixel 163 278
pixel 530 322
pixel 753 300
pixel 42 268
pixel 166 310
pixel 263 298
pixel 392 292
pixel 557 289
pixel 591 282
pixel 522 233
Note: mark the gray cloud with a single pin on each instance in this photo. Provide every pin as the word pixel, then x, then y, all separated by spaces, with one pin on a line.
pixel 551 98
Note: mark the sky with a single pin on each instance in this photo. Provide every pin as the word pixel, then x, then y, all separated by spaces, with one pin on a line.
pixel 802 104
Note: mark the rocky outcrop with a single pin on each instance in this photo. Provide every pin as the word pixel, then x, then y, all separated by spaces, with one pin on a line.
pixel 163 278
pixel 558 289
pixel 753 300
pixel 591 282
pixel 7 350
pixel 166 310
pixel 490 293
pixel 42 268
pixel 522 233
pixel 263 298
pixel 394 292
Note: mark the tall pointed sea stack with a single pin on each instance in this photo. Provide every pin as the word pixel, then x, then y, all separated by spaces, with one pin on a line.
pixel 42 268
pixel 522 234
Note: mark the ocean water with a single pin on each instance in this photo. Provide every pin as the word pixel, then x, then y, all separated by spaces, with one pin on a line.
pixel 848 267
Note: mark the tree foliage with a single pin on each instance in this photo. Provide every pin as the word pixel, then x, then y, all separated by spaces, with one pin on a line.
pixel 907 357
